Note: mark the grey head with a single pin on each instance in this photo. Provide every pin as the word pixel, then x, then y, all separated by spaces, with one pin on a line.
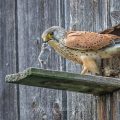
pixel 54 33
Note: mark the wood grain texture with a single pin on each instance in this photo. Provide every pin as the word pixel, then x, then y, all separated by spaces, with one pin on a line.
pixel 96 85
pixel 109 103
pixel 104 102
pixel 8 93
pixel 34 16
pixel 115 64
pixel 80 106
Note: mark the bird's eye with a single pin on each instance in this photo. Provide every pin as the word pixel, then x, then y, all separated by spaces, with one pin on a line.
pixel 51 33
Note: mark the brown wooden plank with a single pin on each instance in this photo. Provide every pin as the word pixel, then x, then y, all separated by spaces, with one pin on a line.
pixel 96 85
pixel 8 51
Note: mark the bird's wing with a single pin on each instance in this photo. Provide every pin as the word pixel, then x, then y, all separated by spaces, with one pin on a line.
pixel 88 40
pixel 115 30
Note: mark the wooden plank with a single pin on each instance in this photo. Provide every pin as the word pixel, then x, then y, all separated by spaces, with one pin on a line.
pixel 109 104
pixel 103 102
pixel 114 63
pixel 96 85
pixel 8 51
pixel 34 16
pixel 80 15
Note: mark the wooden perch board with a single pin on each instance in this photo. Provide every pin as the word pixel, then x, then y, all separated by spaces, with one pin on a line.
pixel 96 85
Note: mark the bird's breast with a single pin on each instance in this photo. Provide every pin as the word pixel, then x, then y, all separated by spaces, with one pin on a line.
pixel 72 54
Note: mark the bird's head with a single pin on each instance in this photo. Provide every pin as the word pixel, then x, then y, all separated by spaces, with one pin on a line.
pixel 54 33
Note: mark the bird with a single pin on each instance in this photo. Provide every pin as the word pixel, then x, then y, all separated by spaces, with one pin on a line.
pixel 82 47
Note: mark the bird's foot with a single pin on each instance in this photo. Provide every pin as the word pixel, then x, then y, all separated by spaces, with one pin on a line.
pixel 84 71
pixel 111 72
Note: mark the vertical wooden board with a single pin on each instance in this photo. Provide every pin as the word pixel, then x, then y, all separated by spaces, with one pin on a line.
pixel 103 21
pixel 115 6
pixel 79 16
pixel 8 93
pixel 109 104
pixel 116 106
pixel 115 64
pixel 34 16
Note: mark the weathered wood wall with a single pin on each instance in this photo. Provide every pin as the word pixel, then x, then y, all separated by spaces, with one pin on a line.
pixel 8 93
pixel 21 21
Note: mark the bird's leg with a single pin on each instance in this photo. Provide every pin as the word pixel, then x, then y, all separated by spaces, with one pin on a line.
pixel 84 70
pixel 89 65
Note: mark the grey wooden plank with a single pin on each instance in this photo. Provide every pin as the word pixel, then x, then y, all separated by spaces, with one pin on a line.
pixel 115 64
pixel 77 12
pixel 72 22
pixel 65 81
pixel 8 93
pixel 34 16
pixel 79 15
pixel 104 23
pixel 109 103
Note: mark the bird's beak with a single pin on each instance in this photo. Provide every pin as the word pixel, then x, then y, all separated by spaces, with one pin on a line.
pixel 47 38
pixel 44 39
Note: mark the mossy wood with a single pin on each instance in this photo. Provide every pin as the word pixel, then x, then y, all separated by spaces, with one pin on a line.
pixel 96 85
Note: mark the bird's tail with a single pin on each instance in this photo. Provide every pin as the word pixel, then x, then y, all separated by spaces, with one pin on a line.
pixel 111 50
pixel 115 37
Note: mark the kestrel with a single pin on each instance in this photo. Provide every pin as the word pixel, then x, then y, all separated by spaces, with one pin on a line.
pixel 82 47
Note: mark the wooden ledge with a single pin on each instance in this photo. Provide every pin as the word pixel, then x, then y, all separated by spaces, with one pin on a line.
pixel 96 85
